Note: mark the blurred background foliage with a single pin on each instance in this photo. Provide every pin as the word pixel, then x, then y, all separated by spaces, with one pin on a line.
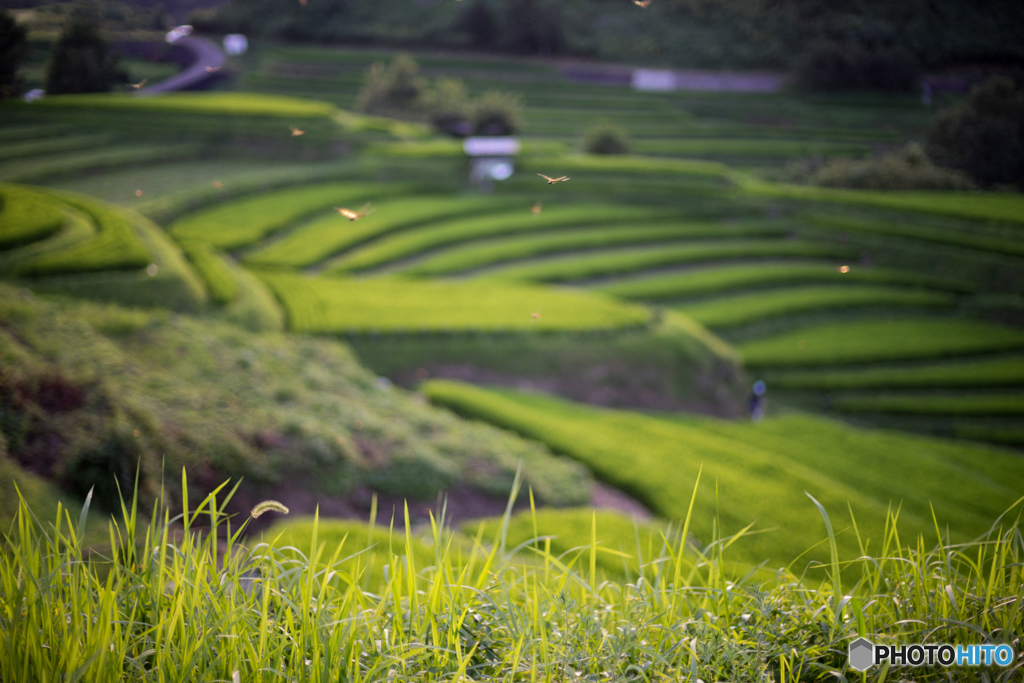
pixel 871 42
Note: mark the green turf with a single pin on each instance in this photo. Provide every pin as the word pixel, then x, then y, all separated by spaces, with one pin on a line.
pixel 246 221
pixel 932 404
pixel 26 216
pixel 621 261
pixel 744 308
pixel 624 543
pixel 716 279
pixel 425 238
pixel 865 341
pixel 336 305
pixel 758 473
pixel 476 255
pixel 324 237
pixel 984 372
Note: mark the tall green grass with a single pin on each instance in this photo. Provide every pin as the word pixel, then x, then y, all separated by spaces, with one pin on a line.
pixel 864 341
pixel 337 305
pixel 739 309
pixel 183 597
pixel 58 145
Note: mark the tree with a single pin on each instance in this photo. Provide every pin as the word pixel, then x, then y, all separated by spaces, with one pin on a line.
pixel 81 61
pixel 984 134
pixel 13 50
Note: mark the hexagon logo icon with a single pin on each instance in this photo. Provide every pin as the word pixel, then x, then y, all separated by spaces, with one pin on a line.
pixel 862 654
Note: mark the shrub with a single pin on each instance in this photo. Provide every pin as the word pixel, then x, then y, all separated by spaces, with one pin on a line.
pixel 13 50
pixel 606 138
pixel 393 90
pixel 497 113
pixel 835 65
pixel 984 134
pixel 908 168
pixel 447 106
pixel 81 61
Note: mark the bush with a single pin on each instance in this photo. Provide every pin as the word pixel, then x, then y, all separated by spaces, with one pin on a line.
pixel 13 50
pixel 394 90
pixel 908 168
pixel 447 106
pixel 605 138
pixel 836 65
pixel 984 134
pixel 81 61
pixel 497 113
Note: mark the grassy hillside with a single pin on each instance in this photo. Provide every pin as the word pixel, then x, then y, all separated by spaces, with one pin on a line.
pixel 758 473
pixel 92 392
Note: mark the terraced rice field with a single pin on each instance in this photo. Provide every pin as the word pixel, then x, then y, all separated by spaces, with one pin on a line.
pixel 761 471
pixel 856 303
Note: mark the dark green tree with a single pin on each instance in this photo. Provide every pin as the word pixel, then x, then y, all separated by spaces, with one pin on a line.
pixel 81 61
pixel 983 135
pixel 13 49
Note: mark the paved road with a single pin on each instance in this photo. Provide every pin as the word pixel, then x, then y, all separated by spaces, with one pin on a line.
pixel 206 53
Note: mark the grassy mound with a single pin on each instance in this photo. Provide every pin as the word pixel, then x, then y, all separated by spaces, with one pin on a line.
pixel 336 305
pixel 762 470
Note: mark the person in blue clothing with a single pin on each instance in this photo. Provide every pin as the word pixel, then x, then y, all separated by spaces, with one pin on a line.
pixel 756 405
